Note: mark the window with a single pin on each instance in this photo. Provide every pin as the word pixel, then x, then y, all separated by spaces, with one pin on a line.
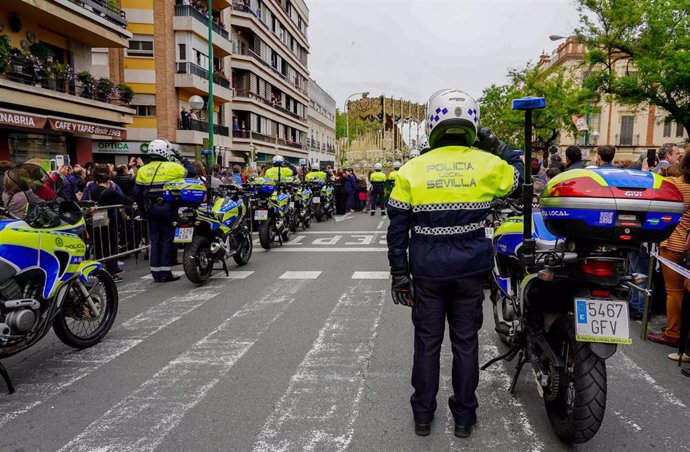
pixel 182 49
pixel 145 110
pixel 141 46
pixel 667 130
pixel 627 125
pixel 679 129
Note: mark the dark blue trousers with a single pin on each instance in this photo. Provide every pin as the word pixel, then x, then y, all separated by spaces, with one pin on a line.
pixel 459 301
pixel 377 198
pixel 161 235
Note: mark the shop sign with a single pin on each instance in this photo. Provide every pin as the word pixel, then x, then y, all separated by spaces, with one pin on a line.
pixel 120 147
pixel 17 119
pixel 64 125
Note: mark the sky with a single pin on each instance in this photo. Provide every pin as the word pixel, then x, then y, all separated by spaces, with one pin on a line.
pixel 413 48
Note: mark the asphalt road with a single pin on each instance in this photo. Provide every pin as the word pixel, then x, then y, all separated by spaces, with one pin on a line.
pixel 302 349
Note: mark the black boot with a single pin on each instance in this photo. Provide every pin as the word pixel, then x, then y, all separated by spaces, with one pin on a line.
pixel 465 430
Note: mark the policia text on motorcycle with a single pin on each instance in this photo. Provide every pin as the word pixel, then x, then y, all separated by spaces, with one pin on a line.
pixel 436 211
pixel 149 194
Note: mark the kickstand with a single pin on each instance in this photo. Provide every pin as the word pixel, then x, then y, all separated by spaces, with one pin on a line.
pixel 518 368
pixel 508 356
pixel 6 376
pixel 225 268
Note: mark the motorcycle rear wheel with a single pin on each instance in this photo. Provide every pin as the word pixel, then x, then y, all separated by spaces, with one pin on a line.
pixel 306 222
pixel 197 261
pixel 500 329
pixel 318 213
pixel 244 251
pixel 74 324
pixel 267 234
pixel 577 410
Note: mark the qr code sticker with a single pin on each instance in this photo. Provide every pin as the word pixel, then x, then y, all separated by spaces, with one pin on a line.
pixel 606 218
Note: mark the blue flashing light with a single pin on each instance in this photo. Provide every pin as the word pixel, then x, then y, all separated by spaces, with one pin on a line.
pixel 206 152
pixel 529 103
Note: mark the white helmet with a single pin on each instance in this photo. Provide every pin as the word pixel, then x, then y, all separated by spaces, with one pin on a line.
pixel 414 153
pixel 378 167
pixel 278 160
pixel 452 112
pixel 397 165
pixel 161 148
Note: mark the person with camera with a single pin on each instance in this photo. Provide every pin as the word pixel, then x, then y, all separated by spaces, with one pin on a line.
pixel 148 193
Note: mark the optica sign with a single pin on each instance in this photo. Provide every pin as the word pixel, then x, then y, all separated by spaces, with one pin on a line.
pixel 120 147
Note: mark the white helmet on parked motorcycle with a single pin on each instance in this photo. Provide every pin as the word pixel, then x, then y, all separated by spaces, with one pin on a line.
pixel 452 113
pixel 414 153
pixel 278 160
pixel 397 165
pixel 160 148
pixel 423 146
pixel 378 167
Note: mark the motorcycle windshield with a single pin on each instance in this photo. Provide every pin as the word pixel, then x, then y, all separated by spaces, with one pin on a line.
pixel 29 177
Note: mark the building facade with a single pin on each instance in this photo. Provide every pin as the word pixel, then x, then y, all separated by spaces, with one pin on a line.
pixel 167 63
pixel 50 103
pixel 270 78
pixel 632 129
pixel 321 141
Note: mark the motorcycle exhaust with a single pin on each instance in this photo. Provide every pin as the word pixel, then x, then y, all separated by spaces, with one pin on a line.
pixel 217 249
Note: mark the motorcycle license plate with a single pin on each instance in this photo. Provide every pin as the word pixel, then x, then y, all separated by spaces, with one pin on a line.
pixel 292 205
pixel 489 233
pixel 183 235
pixel 602 321
pixel 316 200
pixel 261 215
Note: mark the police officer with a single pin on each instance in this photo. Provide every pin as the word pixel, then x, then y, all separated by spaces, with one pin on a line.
pixel 393 175
pixel 437 210
pixel 148 193
pixel 378 186
pixel 279 172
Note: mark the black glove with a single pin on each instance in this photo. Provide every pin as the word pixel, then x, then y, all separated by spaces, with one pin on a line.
pixel 178 155
pixel 489 142
pixel 401 287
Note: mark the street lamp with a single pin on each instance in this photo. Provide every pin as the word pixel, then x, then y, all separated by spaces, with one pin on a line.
pixel 347 117
pixel 557 37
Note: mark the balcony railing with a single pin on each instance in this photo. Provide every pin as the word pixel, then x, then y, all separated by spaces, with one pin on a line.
pixel 274 104
pixel 191 68
pixel 246 134
pixel 243 51
pixel 201 126
pixel 29 74
pixel 188 10
pixel 109 10
pixel 239 6
pixel 283 6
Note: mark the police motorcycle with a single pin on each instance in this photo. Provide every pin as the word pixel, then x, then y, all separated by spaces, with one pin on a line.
pixel 560 290
pixel 220 231
pixel 300 203
pixel 323 200
pixel 272 210
pixel 45 280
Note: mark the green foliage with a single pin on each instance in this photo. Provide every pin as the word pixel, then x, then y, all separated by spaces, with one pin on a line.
pixel 88 84
pixel 564 97
pixel 61 71
pixel 639 52
pixel 5 46
pixel 39 50
pixel 357 126
pixel 126 93
pixel 105 89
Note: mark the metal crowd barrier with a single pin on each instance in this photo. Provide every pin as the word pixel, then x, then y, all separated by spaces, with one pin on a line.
pixel 113 232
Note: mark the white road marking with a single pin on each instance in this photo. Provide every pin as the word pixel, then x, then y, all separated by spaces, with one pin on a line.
pixel 380 225
pixel 341 232
pixel 321 404
pixel 636 372
pixel 370 275
pixel 347 216
pixel 330 241
pixel 300 275
pixel 37 388
pixel 232 275
pixel 361 239
pixel 327 250
pixel 141 421
pixel 175 273
pixel 295 240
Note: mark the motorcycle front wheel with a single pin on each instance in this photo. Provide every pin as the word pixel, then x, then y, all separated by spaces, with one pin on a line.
pixel 576 408
pixel 197 260
pixel 245 248
pixel 267 234
pixel 76 325
pixel 318 213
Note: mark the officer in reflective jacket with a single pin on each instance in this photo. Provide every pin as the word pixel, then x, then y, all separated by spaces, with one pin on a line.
pixel 378 186
pixel 278 172
pixel 148 193
pixel 437 210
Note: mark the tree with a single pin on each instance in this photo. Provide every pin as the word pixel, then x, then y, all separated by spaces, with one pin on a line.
pixel 564 97
pixel 639 52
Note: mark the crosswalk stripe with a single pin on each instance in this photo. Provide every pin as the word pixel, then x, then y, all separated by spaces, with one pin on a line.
pixel 300 275
pixel 370 275
pixel 68 367
pixel 321 404
pixel 329 250
pixel 142 420
pixel 233 275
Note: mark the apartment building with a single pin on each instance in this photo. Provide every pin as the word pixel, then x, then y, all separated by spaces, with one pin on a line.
pixel 50 104
pixel 632 129
pixel 167 63
pixel 321 143
pixel 270 78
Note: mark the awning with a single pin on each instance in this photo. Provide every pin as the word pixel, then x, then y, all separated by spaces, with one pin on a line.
pixel 75 126
pixel 14 118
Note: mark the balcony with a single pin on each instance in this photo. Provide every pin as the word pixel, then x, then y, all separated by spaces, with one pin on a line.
pixel 251 56
pixel 99 23
pixel 244 12
pixel 260 137
pixel 252 96
pixel 188 18
pixel 22 86
pixel 195 78
pixel 193 131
